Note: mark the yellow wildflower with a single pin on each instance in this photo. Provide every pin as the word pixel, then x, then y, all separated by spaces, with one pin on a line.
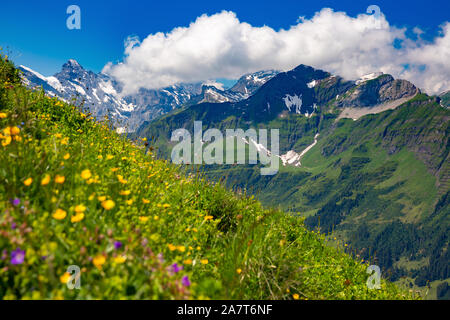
pixel 181 248
pixel 59 214
pixel 143 219
pixel 3 115
pixel 101 198
pixel 207 218
pixel 6 141
pixel 60 179
pixel 7 131
pixel 108 204
pixel 28 182
pixel 121 179
pixel 188 261
pixel 86 174
pixel 77 218
pixel 145 201
pixel 80 208
pixel 64 278
pixel 15 131
pixel 238 270
pixel 99 261
pixel 46 180
pixel 204 261
pixel 120 259
pixel 125 192
pixel 172 247
pixel 295 296
pixel 66 156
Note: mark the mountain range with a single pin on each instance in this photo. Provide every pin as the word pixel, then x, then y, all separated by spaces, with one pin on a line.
pixel 101 94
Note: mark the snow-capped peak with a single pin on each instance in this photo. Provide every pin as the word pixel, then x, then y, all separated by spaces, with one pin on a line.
pixel 368 77
pixel 73 63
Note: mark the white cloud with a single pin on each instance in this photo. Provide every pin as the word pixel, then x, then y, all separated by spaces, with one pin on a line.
pixel 220 46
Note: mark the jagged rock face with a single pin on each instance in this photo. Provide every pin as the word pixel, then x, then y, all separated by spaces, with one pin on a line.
pixel 211 94
pixel 96 92
pixel 445 99
pixel 249 83
pixel 154 103
pixel 376 91
pixel 330 88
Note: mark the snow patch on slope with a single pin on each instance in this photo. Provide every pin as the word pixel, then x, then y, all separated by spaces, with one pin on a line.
pixel 293 101
pixel 312 84
pixel 293 158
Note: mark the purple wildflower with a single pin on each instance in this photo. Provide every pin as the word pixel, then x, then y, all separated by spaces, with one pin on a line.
pixel 176 268
pixel 13 225
pixel 15 202
pixel 17 256
pixel 185 281
pixel 117 245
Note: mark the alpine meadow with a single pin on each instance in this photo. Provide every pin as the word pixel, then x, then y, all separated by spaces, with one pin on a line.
pixel 224 159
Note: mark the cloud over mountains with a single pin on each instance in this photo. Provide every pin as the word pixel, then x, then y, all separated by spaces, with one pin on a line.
pixel 221 46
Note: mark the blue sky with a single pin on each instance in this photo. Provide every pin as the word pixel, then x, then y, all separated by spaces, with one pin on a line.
pixel 35 31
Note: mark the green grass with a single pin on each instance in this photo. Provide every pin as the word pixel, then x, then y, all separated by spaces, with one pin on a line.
pixel 427 292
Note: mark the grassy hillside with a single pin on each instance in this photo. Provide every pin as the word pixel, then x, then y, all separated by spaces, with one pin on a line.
pixel 380 183
pixel 73 192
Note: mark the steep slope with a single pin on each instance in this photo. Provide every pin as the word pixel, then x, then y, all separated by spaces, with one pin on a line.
pixel 74 193
pixel 387 169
